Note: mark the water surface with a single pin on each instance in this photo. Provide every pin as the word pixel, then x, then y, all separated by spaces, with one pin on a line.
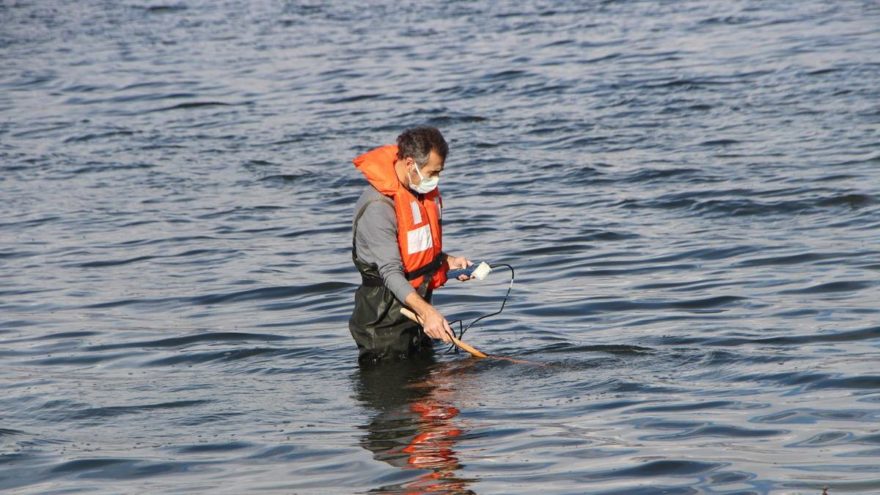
pixel 688 191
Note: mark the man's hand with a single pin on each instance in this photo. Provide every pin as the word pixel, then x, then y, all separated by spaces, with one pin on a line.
pixel 435 325
pixel 457 262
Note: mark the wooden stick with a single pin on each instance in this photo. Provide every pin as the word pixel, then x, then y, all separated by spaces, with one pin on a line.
pixel 467 348
pixel 461 345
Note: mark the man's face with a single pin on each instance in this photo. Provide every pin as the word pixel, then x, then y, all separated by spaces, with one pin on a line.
pixel 433 168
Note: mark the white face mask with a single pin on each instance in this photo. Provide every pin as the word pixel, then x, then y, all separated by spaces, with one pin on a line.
pixel 426 185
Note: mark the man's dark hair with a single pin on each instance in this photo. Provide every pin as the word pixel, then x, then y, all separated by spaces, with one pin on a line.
pixel 418 143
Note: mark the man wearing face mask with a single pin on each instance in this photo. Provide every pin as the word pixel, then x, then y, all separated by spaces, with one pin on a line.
pixel 397 247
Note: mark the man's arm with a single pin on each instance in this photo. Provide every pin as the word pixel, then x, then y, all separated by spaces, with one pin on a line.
pixel 377 243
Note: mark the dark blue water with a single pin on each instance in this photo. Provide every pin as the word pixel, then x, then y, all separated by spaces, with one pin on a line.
pixel 690 192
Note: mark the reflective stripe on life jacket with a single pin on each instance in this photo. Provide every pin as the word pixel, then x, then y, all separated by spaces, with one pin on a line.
pixel 419 233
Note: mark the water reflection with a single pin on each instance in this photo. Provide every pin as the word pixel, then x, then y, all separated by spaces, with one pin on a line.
pixel 415 425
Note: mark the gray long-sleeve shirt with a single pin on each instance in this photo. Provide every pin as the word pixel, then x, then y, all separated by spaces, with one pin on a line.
pixel 376 240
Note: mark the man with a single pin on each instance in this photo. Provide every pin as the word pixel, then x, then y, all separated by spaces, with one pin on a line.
pixel 397 247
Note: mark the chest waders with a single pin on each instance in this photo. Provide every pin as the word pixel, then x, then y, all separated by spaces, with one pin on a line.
pixel 376 324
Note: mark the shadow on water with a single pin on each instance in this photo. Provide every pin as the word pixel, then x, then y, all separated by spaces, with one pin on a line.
pixel 414 426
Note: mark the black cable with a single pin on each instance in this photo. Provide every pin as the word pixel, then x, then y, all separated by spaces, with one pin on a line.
pixel 452 347
pixel 503 302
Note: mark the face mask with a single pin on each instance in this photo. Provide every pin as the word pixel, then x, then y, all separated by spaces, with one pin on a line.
pixel 426 185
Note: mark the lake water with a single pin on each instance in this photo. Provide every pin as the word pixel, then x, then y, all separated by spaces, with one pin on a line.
pixel 689 192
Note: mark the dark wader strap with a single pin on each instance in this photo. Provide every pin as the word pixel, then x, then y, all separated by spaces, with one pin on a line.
pixel 428 270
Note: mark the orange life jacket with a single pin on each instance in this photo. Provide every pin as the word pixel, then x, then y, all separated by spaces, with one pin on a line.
pixel 419 234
